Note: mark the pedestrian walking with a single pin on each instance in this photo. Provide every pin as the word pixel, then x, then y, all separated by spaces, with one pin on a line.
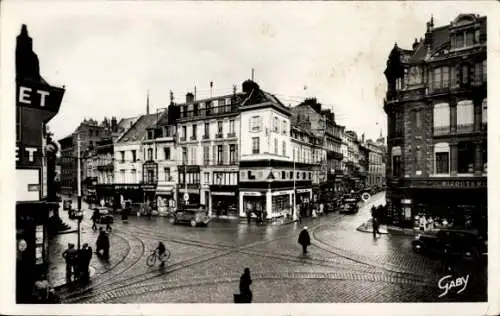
pixel 94 218
pixel 376 225
pixel 69 256
pixel 304 240
pixel 102 244
pixel 245 282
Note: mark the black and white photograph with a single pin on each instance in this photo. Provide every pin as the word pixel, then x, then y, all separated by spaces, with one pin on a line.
pixel 227 152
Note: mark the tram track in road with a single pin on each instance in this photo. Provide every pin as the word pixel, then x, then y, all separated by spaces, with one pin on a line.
pixel 133 256
pixel 162 285
pixel 121 283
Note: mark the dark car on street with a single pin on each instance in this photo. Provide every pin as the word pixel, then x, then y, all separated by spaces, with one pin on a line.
pixel 349 204
pixel 195 216
pixel 467 244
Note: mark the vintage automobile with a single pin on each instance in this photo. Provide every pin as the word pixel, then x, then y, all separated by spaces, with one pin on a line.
pixel 464 243
pixel 67 205
pixel 103 215
pixel 349 204
pixel 195 216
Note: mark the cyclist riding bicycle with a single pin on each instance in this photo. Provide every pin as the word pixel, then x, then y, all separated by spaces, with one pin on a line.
pixel 161 253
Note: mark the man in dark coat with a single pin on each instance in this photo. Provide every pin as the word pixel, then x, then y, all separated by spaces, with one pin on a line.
pixel 245 282
pixel 103 244
pixel 84 257
pixel 304 240
pixel 69 256
pixel 95 216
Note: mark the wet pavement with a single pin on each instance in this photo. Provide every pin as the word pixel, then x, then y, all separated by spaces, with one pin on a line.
pixel 343 264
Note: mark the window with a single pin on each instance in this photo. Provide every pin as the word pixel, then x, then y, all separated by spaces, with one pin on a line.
pixel 231 126
pixel 195 109
pixel 122 176
pixel 485 77
pixel 222 102
pixel 291 175
pixel 207 130
pixel 206 178
pixel 184 132
pixel 122 156
pixel 398 124
pixel 255 145
pixel 193 137
pixel 150 176
pixel 134 156
pixel 284 126
pixel 478 74
pixel 232 154
pixel 166 152
pixel 150 154
pixel 396 161
pixel 167 174
pixel 275 124
pixel 418 120
pixel 275 146
pixel 442 158
pixel 484 148
pixel 441 77
pixel 465 156
pixel 484 108
pixel 219 127
pixel 441 119
pixel 220 160
pixel 184 155
pixel 284 148
pixel 255 124
pixel 206 155
pixel 464 78
pixel 283 175
pixel 465 116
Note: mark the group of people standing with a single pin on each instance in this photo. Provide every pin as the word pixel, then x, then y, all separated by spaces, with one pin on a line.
pixel 77 262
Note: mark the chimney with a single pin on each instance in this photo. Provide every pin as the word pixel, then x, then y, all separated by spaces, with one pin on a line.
pixel 189 97
pixel 415 44
pixel 114 124
pixel 147 103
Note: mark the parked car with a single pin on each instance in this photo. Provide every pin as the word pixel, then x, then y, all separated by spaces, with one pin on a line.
pixel 104 215
pixel 349 204
pixel 467 244
pixel 193 216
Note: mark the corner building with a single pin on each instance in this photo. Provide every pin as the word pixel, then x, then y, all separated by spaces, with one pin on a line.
pixel 267 170
pixel 437 121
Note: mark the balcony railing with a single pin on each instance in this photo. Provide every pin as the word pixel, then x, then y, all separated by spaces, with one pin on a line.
pixel 218 135
pixel 182 139
pixel 206 136
pixel 441 130
pixel 216 110
pixel 230 135
pixel 193 137
pixel 465 128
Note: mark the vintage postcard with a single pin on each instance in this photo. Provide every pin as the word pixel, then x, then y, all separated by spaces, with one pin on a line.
pixel 301 158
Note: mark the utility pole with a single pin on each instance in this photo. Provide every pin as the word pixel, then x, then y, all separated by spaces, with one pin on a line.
pixel 294 216
pixel 79 214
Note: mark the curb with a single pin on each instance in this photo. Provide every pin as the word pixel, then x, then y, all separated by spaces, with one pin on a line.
pixel 389 231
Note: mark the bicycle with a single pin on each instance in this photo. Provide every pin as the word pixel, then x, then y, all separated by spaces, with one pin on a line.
pixel 151 259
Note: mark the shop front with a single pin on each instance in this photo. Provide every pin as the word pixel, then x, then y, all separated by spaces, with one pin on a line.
pixel 304 196
pixel 131 192
pixel 105 194
pixel 457 203
pixel 224 201
pixel 252 203
pixel 165 199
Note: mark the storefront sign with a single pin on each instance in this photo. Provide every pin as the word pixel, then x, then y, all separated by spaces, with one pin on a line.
pixel 38 95
pixel 127 187
pixel 449 184
pixel 224 193
pixel 282 193
pixel 304 190
pixel 252 193
pixel 406 201
pixel 28 155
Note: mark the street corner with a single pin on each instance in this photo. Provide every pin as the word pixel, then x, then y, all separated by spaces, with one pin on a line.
pixel 367 227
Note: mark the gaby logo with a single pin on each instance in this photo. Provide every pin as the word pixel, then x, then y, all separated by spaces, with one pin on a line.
pixel 447 283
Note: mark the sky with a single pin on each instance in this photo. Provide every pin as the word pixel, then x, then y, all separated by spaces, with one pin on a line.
pixel 108 55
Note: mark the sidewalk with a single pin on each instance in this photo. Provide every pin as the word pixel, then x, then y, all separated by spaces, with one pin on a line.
pixel 387 229
pixel 57 244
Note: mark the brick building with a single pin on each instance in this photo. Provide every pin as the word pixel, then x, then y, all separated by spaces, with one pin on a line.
pixel 437 137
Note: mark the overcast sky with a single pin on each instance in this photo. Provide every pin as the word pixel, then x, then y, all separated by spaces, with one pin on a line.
pixel 109 54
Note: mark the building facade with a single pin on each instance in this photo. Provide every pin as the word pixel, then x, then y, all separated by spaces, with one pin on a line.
pixel 209 145
pixel 135 170
pixel 37 102
pixel 376 165
pixel 437 117
pixel 89 132
pixel 270 182
pixel 161 139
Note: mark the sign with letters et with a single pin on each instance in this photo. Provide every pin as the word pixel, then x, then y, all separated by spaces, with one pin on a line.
pixel 38 95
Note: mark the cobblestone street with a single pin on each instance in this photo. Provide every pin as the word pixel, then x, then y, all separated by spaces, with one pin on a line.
pixel 343 265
